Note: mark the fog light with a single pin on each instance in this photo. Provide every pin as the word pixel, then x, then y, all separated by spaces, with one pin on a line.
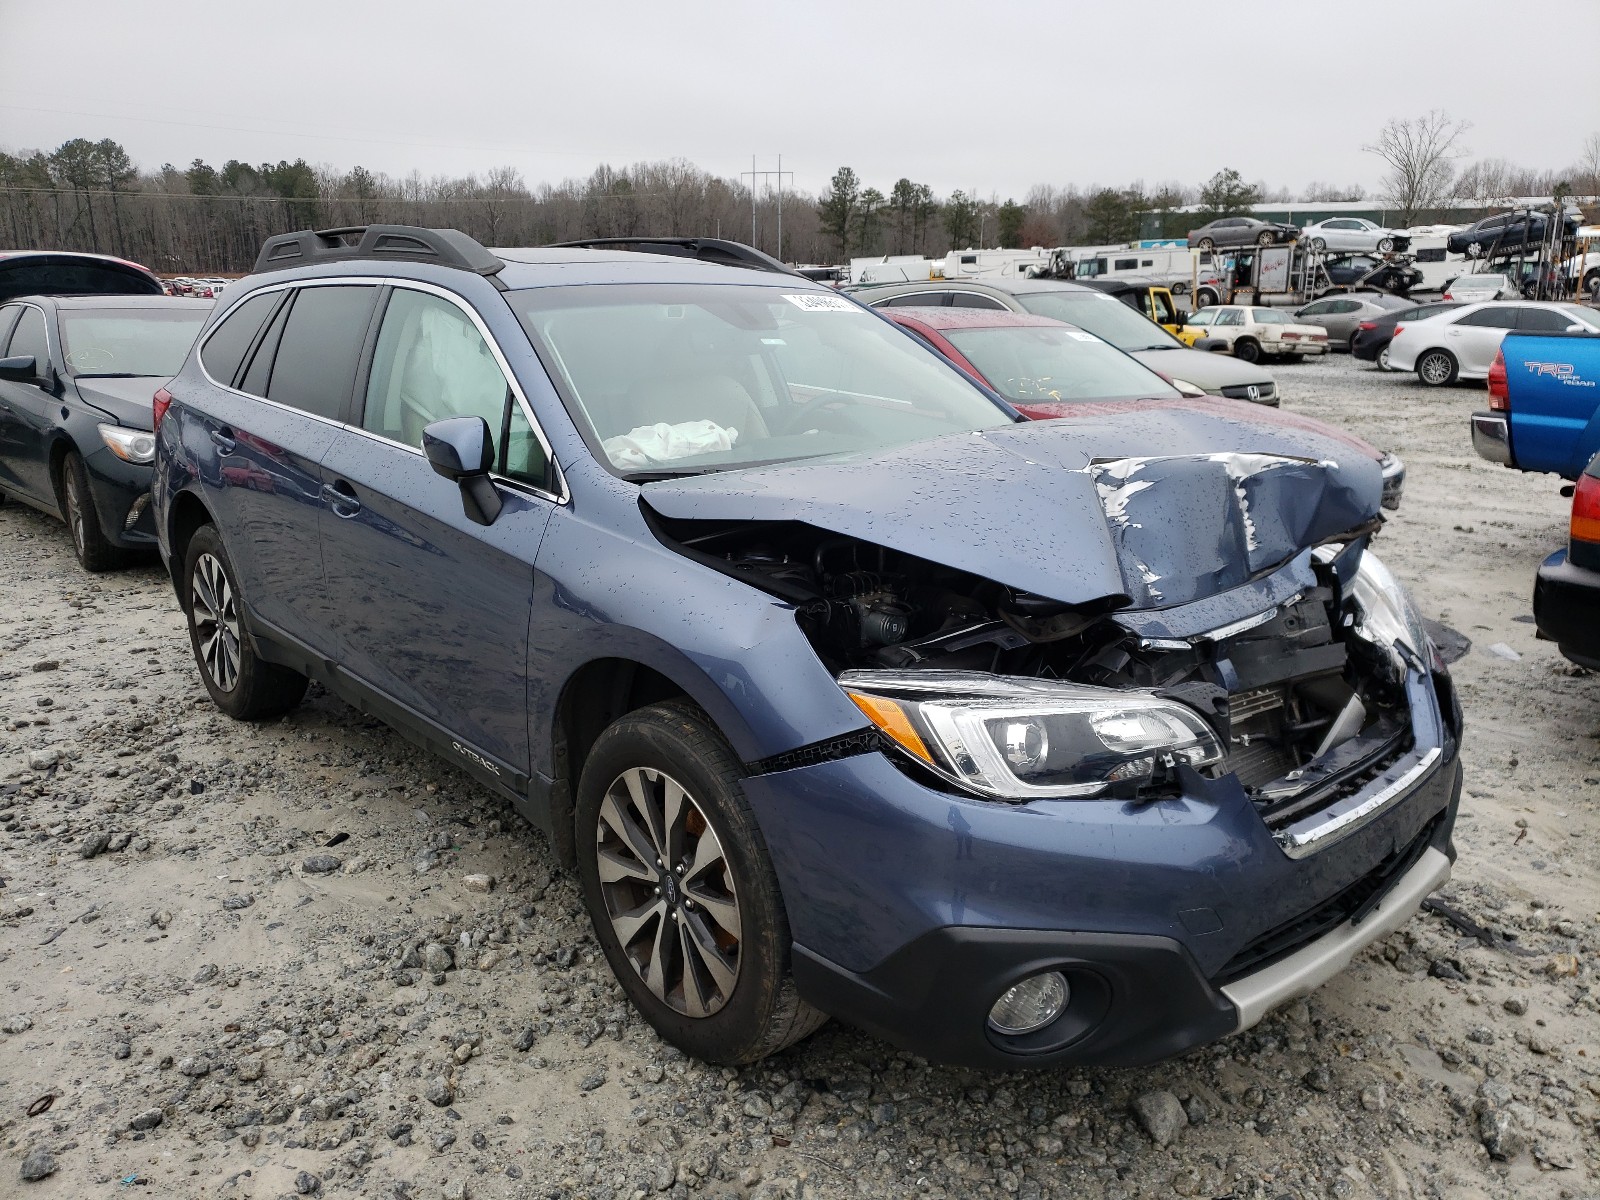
pixel 136 512
pixel 1030 1005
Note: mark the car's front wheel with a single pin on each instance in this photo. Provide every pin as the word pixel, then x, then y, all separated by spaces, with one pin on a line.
pixel 1385 245
pixel 1266 237
pixel 1436 368
pixel 1383 359
pixel 681 890
pixel 239 681
pixel 96 552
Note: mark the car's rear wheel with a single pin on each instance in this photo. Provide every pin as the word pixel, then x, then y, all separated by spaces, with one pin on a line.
pixel 1205 244
pixel 239 681
pixel 681 890
pixel 1247 349
pixel 95 551
pixel 1436 368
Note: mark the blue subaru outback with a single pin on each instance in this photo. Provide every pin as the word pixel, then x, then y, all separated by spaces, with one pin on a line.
pixel 844 691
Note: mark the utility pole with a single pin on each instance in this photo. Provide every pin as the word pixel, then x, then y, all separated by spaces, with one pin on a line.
pixel 754 174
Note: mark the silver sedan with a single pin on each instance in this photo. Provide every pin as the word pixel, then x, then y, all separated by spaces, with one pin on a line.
pixel 1341 316
pixel 1352 233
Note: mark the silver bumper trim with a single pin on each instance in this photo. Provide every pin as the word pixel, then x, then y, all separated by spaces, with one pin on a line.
pixel 1491 438
pixel 1311 966
pixel 1300 840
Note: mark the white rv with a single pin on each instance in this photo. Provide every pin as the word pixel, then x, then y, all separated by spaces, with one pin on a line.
pixel 959 264
pixel 1176 267
pixel 893 268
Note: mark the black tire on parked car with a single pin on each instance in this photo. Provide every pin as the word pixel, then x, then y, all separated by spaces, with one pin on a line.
pixel 95 551
pixel 1247 349
pixel 1205 244
pixel 681 890
pixel 239 681
pixel 1383 358
pixel 1351 345
pixel 1437 368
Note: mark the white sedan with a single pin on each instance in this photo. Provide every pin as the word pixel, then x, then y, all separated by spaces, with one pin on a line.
pixel 1460 343
pixel 1252 332
pixel 1352 233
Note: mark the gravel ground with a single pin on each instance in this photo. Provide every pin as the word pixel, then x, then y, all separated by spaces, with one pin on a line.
pixel 304 957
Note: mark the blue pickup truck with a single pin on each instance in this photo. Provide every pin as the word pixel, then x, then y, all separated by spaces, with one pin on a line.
pixel 1544 401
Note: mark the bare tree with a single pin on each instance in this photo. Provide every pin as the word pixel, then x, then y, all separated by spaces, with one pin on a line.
pixel 1419 151
pixel 1587 172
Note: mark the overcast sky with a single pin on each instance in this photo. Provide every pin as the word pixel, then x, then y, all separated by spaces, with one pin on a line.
pixel 989 96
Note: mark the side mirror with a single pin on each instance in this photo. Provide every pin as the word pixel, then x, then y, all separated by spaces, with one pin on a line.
pixel 462 450
pixel 23 368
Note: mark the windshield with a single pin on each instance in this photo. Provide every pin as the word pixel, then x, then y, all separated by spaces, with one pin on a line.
pixel 129 341
pixel 669 379
pixel 1055 363
pixel 1494 282
pixel 1103 316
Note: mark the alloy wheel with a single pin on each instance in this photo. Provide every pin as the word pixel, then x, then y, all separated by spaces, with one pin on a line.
pixel 1383 359
pixel 669 891
pixel 216 621
pixel 1435 368
pixel 75 517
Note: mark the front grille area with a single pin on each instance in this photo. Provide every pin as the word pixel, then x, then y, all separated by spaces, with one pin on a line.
pixel 1264 391
pixel 1352 904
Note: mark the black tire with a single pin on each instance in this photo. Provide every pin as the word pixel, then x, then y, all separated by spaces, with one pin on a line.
pixel 1383 358
pixel 1319 244
pixel 1205 297
pixel 1247 350
pixel 1437 368
pixel 1180 289
pixel 240 683
pixel 738 979
pixel 96 552
pixel 1205 244
pixel 1266 237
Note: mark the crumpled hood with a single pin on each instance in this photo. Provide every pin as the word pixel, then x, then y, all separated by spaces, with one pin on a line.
pixel 1152 509
pixel 128 401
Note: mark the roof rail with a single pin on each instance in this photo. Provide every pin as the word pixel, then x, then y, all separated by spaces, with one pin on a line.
pixel 712 250
pixel 407 243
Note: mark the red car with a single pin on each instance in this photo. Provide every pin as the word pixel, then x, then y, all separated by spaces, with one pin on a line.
pixel 1047 368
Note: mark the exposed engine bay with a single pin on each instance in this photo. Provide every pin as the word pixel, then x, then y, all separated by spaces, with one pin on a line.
pixel 1282 688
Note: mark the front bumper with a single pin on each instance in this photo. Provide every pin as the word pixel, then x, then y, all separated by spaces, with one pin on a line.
pixel 1566 609
pixel 121 494
pixel 1491 437
pixel 1176 921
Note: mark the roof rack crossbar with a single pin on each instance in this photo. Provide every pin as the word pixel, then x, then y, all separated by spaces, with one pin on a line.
pixel 446 247
pixel 712 250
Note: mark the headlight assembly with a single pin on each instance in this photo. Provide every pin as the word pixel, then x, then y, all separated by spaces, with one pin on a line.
pixel 130 445
pixel 1011 738
pixel 1384 612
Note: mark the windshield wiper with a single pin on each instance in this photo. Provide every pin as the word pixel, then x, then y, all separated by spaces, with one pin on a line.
pixel 670 473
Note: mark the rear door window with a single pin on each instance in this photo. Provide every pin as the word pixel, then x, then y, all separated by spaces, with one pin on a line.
pixel 1491 318
pixel 314 368
pixel 224 351
pixel 1544 320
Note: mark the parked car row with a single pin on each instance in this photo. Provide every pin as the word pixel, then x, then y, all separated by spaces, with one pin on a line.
pixel 203 289
pixel 897 646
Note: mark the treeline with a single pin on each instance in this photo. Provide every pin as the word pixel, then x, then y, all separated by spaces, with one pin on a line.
pixel 88 195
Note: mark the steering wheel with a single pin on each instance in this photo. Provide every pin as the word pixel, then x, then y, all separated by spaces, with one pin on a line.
pixel 90 358
pixel 791 421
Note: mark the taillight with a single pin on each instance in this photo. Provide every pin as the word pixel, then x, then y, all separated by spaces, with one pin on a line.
pixel 1586 510
pixel 159 405
pixel 1448 296
pixel 1499 394
pixel 1398 330
pixel 1367 325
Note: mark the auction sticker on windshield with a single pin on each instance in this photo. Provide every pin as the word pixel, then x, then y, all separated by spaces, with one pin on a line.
pixel 819 302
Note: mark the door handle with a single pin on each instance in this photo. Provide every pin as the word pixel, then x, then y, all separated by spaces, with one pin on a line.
pixel 341 497
pixel 222 439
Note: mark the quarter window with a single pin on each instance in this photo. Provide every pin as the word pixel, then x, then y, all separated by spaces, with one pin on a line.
pixel 8 318
pixel 1545 320
pixel 315 365
pixel 224 351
